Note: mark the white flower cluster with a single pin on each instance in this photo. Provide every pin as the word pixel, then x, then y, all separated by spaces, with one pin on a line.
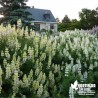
pixel 71 92
pixel 15 82
pixel 40 62
pixel 8 71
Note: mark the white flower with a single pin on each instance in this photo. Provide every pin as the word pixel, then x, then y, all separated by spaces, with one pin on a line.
pixel 30 76
pixel 8 71
pixel 91 67
pixel 85 75
pixel 15 81
pixel 4 62
pixel 35 85
pixel 25 81
pixel 37 71
pixel 2 53
pixel 24 57
pixel 40 90
pixel 71 92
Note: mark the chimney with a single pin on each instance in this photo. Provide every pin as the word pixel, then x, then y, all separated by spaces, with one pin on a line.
pixel 32 6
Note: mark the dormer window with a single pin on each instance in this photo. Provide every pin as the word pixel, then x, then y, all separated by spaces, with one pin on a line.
pixel 46 16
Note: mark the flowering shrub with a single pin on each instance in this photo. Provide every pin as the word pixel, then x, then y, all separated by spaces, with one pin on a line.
pixel 42 66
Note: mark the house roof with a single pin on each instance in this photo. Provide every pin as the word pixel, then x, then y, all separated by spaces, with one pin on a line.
pixel 38 15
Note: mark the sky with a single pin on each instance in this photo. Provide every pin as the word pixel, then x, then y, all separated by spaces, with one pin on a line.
pixel 60 8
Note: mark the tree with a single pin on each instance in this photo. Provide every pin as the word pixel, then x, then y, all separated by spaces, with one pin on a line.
pixel 58 20
pixel 88 18
pixel 62 27
pixel 66 19
pixel 68 24
pixel 74 20
pixel 12 10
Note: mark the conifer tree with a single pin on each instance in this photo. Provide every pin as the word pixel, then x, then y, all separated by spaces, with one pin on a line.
pixel 12 10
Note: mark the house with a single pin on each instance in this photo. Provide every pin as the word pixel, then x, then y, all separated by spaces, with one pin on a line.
pixel 43 19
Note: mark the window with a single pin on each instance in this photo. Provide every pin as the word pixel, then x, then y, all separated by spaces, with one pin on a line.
pixel 51 26
pixel 37 27
pixel 46 16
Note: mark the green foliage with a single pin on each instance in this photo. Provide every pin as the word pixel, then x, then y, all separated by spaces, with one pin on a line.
pixel 65 19
pixel 69 26
pixel 12 10
pixel 87 20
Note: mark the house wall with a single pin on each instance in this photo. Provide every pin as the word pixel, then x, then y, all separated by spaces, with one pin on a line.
pixel 47 26
pixel 42 26
pixel 55 27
